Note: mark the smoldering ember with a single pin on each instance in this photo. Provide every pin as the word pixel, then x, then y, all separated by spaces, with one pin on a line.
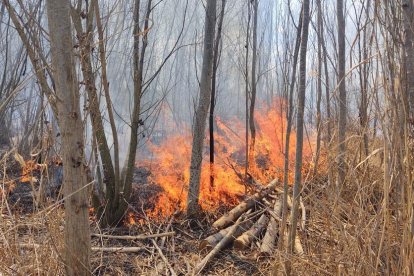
pixel 213 137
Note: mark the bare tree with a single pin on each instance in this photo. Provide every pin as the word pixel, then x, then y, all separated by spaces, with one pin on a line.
pixel 202 109
pixel 299 125
pixel 289 118
pixel 77 237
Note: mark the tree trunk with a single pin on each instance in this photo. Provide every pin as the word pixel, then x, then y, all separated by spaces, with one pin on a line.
pixel 246 165
pixel 202 109
pixel 289 131
pixel 299 123
pixel 110 179
pixel 213 90
pixel 254 86
pixel 342 94
pixel 408 101
pixel 328 106
pixel 77 237
pixel 319 90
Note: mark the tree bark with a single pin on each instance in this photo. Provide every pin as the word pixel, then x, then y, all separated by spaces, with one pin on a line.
pixel 201 112
pixel 77 237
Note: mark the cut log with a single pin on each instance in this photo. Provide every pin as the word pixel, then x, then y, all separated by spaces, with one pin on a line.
pixel 243 242
pixel 212 240
pixel 228 238
pixel 237 211
pixel 269 239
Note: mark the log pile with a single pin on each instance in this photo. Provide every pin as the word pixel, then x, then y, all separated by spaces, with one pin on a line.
pixel 255 221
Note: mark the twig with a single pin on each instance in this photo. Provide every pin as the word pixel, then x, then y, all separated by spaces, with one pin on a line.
pixel 29 245
pixel 118 249
pixel 139 237
pixel 164 258
pixel 168 228
pixel 302 206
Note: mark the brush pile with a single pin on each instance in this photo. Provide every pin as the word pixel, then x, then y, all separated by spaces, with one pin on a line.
pixel 253 222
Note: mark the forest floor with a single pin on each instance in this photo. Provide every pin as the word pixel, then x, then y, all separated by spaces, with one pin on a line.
pixel 338 238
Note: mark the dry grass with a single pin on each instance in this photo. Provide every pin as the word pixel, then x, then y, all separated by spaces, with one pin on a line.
pixel 31 244
pixel 342 237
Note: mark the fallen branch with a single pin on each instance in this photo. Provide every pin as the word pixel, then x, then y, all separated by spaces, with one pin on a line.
pixel 222 244
pixel 214 239
pixel 164 258
pixel 243 242
pixel 302 207
pixel 237 211
pixel 118 249
pixel 139 237
pixel 29 245
pixel 269 239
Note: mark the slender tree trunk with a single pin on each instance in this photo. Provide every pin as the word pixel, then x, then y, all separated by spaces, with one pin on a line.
pixel 201 113
pixel 85 45
pixel 300 126
pixel 105 83
pixel 408 8
pixel 342 95
pixel 407 197
pixel 364 85
pixel 254 86
pixel 319 90
pixel 289 131
pixel 77 237
pixel 246 165
pixel 328 106
pixel 213 90
pixel 138 63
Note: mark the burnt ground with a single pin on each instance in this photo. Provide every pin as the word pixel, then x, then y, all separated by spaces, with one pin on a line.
pixel 144 192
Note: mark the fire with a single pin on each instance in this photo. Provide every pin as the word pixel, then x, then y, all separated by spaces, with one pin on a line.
pixel 130 219
pixel 27 171
pixel 171 161
pixel 28 167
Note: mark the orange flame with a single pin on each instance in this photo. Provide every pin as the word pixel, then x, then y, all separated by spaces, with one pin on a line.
pixel 27 171
pixel 171 161
pixel 130 218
